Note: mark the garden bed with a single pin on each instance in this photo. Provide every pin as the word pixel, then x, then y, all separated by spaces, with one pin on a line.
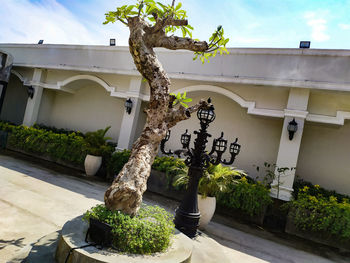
pixel 319 215
pixel 160 183
pixel 241 216
pixel 316 236
pixel 48 158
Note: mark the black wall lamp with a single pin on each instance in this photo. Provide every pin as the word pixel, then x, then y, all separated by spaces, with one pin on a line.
pixel 112 42
pixel 292 128
pixel 30 91
pixel 128 105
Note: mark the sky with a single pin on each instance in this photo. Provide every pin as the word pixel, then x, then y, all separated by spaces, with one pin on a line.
pixel 248 23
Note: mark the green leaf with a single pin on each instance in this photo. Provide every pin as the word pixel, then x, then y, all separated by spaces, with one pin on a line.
pixel 178 6
pixel 184 104
pixel 183 31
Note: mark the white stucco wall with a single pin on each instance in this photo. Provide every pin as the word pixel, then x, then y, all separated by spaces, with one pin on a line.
pixel 258 136
pixel 328 103
pixel 324 156
pixel 47 102
pixel 89 109
pixel 26 73
pixel 267 97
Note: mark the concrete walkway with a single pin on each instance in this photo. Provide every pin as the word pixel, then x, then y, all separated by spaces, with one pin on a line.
pixel 35 202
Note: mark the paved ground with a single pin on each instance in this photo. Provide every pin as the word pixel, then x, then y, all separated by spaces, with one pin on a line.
pixel 35 202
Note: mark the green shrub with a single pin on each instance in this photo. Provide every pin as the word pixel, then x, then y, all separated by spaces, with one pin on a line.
pixel 116 162
pixel 64 147
pixel 215 180
pixel 168 165
pixel 97 142
pixel 251 198
pixel 150 231
pixel 6 126
pixel 320 213
pixel 315 190
pixel 57 130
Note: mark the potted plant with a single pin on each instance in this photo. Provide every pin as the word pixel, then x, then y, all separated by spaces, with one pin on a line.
pixel 215 180
pixel 96 144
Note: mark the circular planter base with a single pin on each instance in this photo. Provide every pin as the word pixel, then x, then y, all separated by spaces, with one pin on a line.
pixel 73 235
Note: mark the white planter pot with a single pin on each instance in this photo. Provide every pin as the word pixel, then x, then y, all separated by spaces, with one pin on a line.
pixel 206 207
pixel 92 164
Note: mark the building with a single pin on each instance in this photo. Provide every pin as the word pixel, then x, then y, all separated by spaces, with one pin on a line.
pixel 256 93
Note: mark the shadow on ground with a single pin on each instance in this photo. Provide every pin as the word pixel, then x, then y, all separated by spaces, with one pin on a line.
pixel 53 173
pixel 14 242
pixel 41 251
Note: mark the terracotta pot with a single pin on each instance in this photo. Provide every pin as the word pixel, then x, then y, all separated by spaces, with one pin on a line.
pixel 92 164
pixel 206 207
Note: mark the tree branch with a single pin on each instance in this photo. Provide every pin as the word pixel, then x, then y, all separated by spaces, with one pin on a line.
pixel 121 20
pixel 174 42
pixel 176 115
pixel 168 21
pixel 140 8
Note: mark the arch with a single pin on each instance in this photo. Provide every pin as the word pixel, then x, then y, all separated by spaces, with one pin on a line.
pixel 250 105
pixel 104 84
pixel 20 76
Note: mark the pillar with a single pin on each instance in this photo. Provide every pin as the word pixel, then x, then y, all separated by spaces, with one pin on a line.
pixel 33 104
pixel 129 122
pixel 288 151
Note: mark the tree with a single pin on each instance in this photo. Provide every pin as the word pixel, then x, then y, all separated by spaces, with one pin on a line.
pixel 152 25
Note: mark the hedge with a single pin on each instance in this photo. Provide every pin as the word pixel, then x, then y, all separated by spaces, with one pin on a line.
pixel 58 146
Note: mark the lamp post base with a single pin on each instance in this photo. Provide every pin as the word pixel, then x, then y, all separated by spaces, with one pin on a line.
pixel 186 222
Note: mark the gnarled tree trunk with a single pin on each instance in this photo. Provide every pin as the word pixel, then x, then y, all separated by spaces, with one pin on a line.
pixel 126 191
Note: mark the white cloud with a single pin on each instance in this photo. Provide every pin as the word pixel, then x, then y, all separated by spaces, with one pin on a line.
pixel 23 21
pixel 318 26
pixel 344 26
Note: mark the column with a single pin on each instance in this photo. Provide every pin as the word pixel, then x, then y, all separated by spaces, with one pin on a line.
pixel 129 122
pixel 33 105
pixel 288 151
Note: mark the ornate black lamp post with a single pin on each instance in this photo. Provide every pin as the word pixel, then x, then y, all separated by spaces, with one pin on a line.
pixel 187 214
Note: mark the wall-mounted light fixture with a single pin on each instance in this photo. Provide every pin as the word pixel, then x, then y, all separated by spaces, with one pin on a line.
pixel 41 41
pixel 292 128
pixel 304 44
pixel 112 42
pixel 128 105
pixel 30 91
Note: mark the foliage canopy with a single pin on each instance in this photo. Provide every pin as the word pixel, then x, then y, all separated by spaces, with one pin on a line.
pixel 151 12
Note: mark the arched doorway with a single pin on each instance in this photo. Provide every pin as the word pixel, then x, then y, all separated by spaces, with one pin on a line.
pixel 15 101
